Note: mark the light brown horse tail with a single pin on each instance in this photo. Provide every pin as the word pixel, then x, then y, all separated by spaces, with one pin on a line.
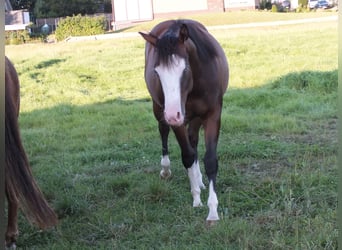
pixel 19 181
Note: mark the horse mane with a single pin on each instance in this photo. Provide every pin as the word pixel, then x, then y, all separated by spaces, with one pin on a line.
pixel 167 44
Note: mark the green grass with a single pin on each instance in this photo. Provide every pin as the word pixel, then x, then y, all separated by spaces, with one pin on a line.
pixel 88 129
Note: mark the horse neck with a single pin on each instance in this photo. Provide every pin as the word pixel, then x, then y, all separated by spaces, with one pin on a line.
pixel 192 52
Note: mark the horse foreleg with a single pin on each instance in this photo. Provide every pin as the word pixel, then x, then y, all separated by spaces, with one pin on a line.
pixel 190 162
pixel 211 133
pixel 212 204
pixel 165 172
pixel 196 184
pixel 12 221
pixel 194 172
pixel 211 171
pixel 211 166
pixel 164 130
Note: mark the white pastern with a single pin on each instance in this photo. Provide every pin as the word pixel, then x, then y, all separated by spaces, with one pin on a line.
pixel 212 204
pixel 13 246
pixel 166 171
pixel 196 183
pixel 170 80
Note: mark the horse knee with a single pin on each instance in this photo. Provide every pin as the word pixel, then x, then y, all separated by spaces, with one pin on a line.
pixel 188 160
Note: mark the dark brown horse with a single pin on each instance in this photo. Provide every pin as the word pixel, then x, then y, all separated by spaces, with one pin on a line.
pixel 21 188
pixel 186 72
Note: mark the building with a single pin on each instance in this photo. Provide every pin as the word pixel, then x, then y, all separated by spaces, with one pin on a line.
pixel 142 10
pixel 15 19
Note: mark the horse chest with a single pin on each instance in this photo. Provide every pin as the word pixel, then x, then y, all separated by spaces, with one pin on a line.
pixel 196 106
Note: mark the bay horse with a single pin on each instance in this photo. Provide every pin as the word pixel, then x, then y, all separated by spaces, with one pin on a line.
pixel 20 185
pixel 186 73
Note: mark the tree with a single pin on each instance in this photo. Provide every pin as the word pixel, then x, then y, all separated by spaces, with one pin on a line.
pixel 53 8
pixel 23 4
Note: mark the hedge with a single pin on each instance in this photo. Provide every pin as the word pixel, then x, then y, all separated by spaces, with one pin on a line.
pixel 80 26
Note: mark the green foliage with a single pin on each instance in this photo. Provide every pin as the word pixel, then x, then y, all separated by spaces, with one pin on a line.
pixel 265 5
pixel 303 3
pixel 23 4
pixel 17 37
pixel 274 8
pixel 303 8
pixel 80 26
pixel 62 8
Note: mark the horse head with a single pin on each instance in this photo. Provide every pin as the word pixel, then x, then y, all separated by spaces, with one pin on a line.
pixel 171 71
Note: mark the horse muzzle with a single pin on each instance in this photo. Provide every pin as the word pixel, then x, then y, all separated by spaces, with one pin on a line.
pixel 174 118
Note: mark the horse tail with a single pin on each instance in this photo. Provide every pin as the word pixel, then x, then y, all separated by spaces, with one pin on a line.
pixel 20 183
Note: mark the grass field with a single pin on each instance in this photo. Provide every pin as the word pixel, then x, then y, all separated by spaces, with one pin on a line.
pixel 234 17
pixel 89 132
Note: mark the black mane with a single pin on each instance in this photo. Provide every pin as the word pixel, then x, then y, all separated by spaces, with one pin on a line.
pixel 167 44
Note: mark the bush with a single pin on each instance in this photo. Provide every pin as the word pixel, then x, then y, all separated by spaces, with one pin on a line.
pixel 17 36
pixel 274 8
pixel 302 8
pixel 80 26
pixel 265 4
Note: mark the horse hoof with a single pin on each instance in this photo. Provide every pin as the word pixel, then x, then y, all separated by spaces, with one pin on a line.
pixel 11 246
pixel 211 223
pixel 165 175
pixel 197 204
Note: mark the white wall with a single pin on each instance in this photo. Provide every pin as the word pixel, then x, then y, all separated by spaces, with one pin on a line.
pixel 164 6
pixel 133 10
pixel 235 4
pixel 26 17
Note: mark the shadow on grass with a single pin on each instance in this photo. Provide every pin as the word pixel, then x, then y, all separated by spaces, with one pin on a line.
pixel 49 63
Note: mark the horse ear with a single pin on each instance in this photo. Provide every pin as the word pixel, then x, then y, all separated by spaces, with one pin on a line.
pixel 183 33
pixel 149 38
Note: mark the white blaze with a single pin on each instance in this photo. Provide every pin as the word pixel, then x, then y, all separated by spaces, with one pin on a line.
pixel 170 76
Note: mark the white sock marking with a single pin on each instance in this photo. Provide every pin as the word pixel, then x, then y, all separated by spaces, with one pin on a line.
pixel 166 171
pixel 196 183
pixel 212 204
